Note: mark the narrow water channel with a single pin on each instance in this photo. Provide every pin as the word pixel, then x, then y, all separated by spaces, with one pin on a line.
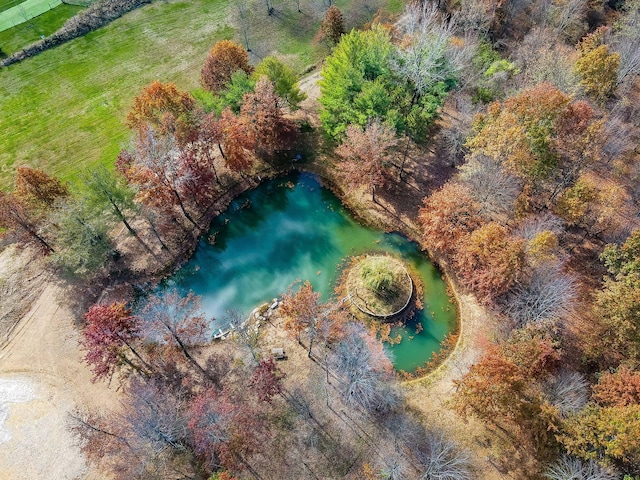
pixel 292 229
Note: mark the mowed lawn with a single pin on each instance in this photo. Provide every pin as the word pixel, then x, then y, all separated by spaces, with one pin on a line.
pixel 25 11
pixel 15 38
pixel 64 110
pixel 7 4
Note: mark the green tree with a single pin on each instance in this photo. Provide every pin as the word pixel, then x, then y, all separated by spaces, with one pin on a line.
pixel 362 81
pixel 359 59
pixel 233 94
pixel 82 243
pixel 625 259
pixel 284 80
pixel 107 194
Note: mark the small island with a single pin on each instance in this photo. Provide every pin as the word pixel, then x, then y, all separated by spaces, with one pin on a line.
pixel 379 286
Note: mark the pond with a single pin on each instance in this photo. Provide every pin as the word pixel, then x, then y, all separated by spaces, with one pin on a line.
pixel 292 229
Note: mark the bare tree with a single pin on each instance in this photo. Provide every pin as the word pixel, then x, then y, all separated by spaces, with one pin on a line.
pixel 365 372
pixel 618 138
pixel 490 185
pixel 243 19
pixel 569 392
pixel 440 458
pixel 626 41
pixel 570 468
pixel 568 18
pixel 429 55
pixel 246 332
pixel 548 293
pixel 178 321
pixel 532 225
pixel 543 59
pixel 156 416
pixel 475 15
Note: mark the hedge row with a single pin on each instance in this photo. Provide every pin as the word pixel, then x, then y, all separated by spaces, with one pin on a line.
pixel 97 15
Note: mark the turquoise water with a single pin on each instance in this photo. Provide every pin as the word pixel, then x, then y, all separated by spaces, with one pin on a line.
pixel 292 229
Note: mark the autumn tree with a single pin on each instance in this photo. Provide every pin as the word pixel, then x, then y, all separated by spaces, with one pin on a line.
pixel 262 116
pixel 223 60
pixel 284 80
pixel 15 215
pixel 166 109
pixel 37 189
pixel 618 308
pixel 540 135
pixel 157 168
pixel 620 388
pixel 609 435
pixel 302 311
pixel 575 202
pixel 176 321
pixel 367 155
pixel 266 380
pixel 597 66
pixel 490 261
pixel 447 216
pixel 332 26
pixel 238 142
pixel 504 388
pixel 108 337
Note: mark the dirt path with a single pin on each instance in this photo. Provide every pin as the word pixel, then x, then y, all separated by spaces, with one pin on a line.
pixel 42 379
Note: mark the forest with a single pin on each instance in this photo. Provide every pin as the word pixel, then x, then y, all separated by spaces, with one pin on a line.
pixel 500 135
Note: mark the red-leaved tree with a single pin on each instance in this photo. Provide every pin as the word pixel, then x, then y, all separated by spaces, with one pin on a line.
pixel 267 380
pixel 367 155
pixel 109 337
pixel 261 113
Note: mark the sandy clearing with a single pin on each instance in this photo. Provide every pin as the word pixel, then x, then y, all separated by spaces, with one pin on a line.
pixel 43 379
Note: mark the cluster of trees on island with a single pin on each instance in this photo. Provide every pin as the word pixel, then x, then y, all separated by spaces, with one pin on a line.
pixel 537 222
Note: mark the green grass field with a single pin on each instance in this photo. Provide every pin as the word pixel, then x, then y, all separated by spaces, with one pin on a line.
pixel 25 11
pixel 15 38
pixel 7 4
pixel 64 109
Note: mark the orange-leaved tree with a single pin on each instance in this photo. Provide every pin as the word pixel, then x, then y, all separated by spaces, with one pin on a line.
pixel 447 217
pixel 224 58
pixel 166 109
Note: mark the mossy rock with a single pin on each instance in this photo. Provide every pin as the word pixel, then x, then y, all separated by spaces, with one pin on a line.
pixel 379 285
